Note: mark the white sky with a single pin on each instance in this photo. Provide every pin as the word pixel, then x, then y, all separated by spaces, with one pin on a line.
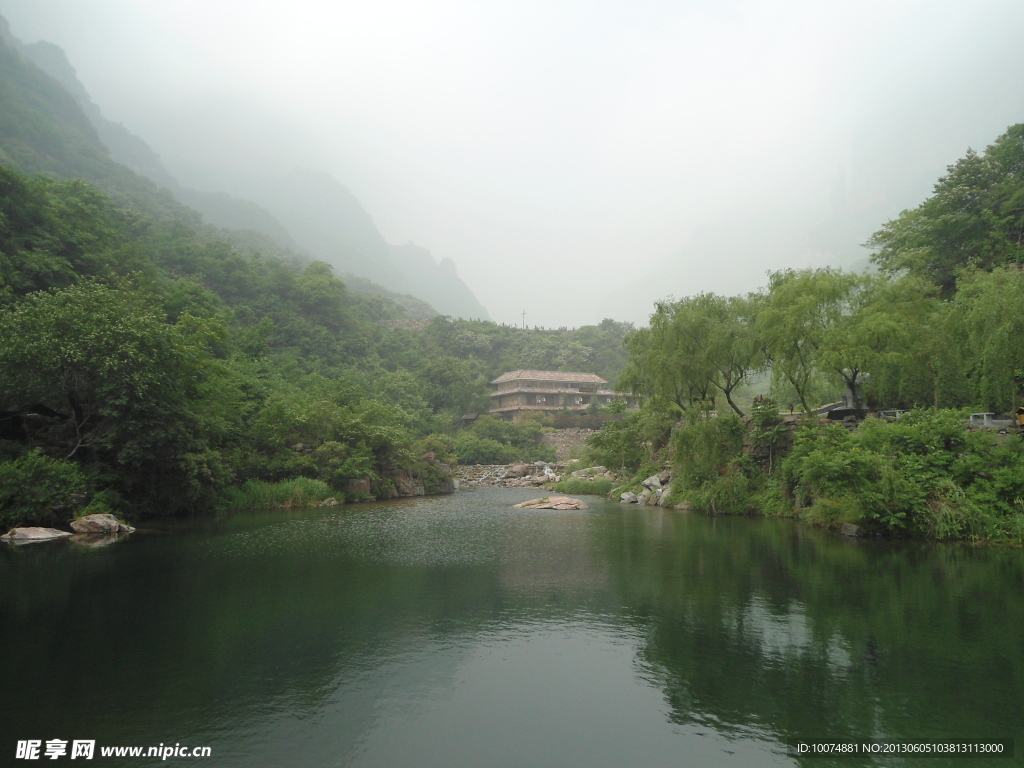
pixel 564 153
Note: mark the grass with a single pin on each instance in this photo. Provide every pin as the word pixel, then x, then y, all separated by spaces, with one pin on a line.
pixel 602 486
pixel 286 494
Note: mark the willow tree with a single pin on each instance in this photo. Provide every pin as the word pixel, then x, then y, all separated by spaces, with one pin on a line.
pixel 694 347
pixel 989 308
pixel 794 320
pixel 876 323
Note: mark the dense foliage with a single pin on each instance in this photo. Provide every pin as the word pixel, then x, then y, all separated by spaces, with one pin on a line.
pixel 940 326
pixel 922 475
pixel 975 218
pixel 144 361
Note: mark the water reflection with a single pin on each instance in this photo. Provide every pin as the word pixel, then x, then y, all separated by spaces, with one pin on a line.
pixel 457 631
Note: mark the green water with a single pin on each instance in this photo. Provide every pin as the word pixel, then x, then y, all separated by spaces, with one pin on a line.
pixel 456 631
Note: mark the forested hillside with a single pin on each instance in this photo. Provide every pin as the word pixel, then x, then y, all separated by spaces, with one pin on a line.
pixel 156 369
pixel 301 211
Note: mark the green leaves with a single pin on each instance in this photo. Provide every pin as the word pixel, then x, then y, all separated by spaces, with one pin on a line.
pixel 693 349
pixel 975 218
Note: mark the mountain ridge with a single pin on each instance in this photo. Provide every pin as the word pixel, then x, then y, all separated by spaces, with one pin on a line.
pixel 304 211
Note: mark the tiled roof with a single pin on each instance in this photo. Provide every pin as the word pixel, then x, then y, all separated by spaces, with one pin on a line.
pixel 589 378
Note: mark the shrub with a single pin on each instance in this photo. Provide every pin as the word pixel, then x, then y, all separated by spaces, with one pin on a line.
pixel 472 449
pixel 923 475
pixel 490 441
pixel 286 494
pixel 34 489
pixel 602 486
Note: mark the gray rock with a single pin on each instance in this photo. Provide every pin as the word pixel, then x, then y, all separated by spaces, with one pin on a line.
pixel 664 476
pixel 358 486
pixel 628 498
pixel 26 535
pixel 652 482
pixel 851 530
pixel 665 492
pixel 408 486
pixel 104 523
pixel 643 496
pixel 517 470
pixel 552 502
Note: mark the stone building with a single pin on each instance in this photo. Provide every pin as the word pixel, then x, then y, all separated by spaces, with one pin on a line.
pixel 516 392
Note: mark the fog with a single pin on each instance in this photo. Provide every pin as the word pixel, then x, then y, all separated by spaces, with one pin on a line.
pixel 576 160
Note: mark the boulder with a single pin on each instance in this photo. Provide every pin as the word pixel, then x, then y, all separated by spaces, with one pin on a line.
pixel 628 497
pixel 664 476
pixel 517 470
pixel 26 535
pixel 652 482
pixel 552 502
pixel 105 523
pixel 329 502
pixel 358 486
pixel 643 496
pixel 851 530
pixel 665 492
pixel 654 498
pixel 408 486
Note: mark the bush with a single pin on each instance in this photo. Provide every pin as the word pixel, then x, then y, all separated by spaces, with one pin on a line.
pixel 287 494
pixel 924 475
pixel 490 441
pixel 602 486
pixel 35 489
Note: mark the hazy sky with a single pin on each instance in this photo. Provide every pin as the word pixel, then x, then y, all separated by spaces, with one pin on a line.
pixel 575 159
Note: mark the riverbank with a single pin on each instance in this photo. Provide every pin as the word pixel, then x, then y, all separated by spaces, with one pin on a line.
pixel 927 475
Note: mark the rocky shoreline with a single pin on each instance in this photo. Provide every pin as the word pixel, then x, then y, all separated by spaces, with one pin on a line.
pixel 89 530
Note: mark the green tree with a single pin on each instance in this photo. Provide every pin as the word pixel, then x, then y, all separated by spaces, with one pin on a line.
pixel 795 320
pixel 875 323
pixel 135 391
pixel 975 217
pixel 989 310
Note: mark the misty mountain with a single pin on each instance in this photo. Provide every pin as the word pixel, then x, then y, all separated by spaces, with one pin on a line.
pixel 328 221
pixel 302 210
pixel 419 268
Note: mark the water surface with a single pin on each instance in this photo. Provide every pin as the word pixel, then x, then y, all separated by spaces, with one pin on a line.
pixel 456 631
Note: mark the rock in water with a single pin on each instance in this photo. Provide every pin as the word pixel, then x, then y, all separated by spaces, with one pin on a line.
pixel 104 523
pixel 552 502
pixel 25 535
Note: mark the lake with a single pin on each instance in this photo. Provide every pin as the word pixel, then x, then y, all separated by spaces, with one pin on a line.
pixel 457 631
